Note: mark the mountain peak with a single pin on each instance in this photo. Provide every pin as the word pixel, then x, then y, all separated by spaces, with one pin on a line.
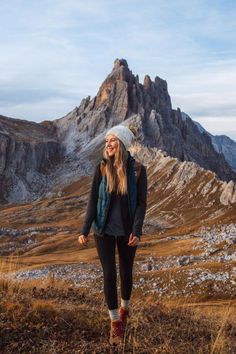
pixel 120 62
pixel 121 97
pixel 147 81
pixel 114 90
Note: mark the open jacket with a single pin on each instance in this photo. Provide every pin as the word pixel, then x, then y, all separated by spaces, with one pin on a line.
pixel 99 202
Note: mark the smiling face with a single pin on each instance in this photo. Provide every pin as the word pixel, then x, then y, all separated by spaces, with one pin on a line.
pixel 111 145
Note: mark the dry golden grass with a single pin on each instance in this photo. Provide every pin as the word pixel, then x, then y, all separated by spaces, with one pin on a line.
pixel 170 248
pixel 154 328
pixel 46 308
pixel 51 317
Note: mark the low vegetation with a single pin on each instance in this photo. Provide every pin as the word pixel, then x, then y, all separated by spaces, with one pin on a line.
pixel 48 316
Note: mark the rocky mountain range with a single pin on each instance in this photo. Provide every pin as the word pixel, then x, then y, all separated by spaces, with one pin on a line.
pixel 222 144
pixel 226 146
pixel 38 159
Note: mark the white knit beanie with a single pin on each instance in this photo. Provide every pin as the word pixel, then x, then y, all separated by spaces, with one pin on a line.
pixel 123 133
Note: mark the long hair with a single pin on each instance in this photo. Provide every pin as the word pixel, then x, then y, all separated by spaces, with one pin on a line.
pixel 116 170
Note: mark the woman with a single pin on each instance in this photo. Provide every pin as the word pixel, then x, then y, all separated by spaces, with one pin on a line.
pixel 116 210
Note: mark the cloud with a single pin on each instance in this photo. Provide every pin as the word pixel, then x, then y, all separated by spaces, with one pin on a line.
pixel 56 52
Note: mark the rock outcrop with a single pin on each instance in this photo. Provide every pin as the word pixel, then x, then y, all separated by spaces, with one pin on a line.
pixel 27 151
pixel 121 97
pixel 181 191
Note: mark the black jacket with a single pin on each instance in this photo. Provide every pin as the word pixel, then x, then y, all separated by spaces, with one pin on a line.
pixel 136 228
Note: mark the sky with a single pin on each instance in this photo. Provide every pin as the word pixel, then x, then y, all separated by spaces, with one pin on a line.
pixel 56 52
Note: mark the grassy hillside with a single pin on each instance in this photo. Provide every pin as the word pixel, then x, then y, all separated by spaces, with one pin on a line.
pixel 51 288
pixel 50 317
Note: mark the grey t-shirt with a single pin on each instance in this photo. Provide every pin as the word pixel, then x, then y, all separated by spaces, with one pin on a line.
pixel 115 223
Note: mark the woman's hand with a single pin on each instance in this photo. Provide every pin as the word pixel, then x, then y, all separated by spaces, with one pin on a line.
pixel 133 240
pixel 83 240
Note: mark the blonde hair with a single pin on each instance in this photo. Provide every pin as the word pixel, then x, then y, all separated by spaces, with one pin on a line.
pixel 116 170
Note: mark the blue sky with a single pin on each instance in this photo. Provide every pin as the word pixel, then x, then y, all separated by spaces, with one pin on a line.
pixel 56 52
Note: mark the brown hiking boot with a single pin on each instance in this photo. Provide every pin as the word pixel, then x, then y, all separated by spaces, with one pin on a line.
pixel 116 333
pixel 124 314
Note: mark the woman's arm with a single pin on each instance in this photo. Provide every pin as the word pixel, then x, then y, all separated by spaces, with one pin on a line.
pixel 92 202
pixel 141 203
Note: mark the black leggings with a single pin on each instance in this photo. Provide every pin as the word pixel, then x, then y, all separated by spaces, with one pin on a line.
pixel 106 247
